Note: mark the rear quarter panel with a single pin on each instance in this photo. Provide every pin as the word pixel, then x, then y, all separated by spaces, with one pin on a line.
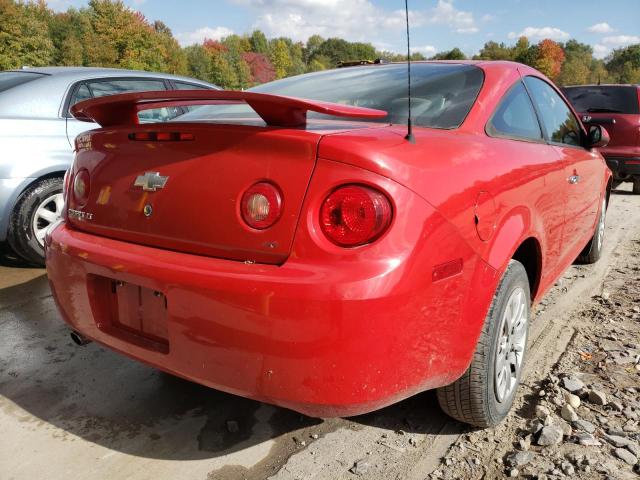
pixel 452 168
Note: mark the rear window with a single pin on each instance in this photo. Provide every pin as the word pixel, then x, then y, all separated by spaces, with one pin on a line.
pixel 603 99
pixel 442 94
pixel 13 79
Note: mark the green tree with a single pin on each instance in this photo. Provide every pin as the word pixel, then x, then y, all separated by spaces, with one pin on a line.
pixel 311 48
pixel 173 56
pixel 24 35
pixel 298 66
pixel 259 42
pixel 453 54
pixel 576 69
pixel 281 58
pixel 623 64
pixel 198 62
pixel 319 62
pixel 494 51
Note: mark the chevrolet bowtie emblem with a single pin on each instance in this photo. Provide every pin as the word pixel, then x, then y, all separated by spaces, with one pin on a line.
pixel 150 181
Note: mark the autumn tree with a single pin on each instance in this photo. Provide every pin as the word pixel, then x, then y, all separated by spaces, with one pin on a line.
pixel 260 66
pixel 550 58
pixel 173 55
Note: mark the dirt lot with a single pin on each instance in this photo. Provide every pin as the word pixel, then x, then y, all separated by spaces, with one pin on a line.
pixel 70 412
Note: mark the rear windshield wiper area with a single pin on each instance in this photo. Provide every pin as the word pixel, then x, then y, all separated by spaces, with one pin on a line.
pixel 602 110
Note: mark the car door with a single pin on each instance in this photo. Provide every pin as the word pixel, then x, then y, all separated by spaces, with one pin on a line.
pixel 536 167
pixel 583 168
pixel 101 87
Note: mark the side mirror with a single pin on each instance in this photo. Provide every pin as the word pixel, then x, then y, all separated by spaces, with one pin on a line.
pixel 597 137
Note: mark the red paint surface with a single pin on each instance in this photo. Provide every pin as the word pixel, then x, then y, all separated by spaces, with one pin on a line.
pixel 313 326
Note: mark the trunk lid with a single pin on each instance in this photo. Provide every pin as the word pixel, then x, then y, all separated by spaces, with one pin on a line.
pixel 198 209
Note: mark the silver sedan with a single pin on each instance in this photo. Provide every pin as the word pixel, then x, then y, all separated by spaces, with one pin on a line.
pixel 37 134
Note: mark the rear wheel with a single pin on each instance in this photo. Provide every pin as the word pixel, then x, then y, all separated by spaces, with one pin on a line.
pixel 636 185
pixel 483 396
pixel 593 251
pixel 37 208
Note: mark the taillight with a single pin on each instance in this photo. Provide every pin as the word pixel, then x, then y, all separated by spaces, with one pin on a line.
pixel 81 187
pixel 355 215
pixel 261 205
pixel 161 136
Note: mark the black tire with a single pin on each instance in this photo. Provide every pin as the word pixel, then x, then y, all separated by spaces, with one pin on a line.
pixel 593 251
pixel 473 398
pixel 636 185
pixel 21 235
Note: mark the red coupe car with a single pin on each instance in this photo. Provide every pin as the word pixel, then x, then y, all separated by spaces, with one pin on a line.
pixel 291 245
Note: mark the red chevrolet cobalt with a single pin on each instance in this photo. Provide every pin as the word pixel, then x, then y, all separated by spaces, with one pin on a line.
pixel 292 244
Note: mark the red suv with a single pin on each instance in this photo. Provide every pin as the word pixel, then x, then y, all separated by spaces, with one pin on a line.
pixel 617 108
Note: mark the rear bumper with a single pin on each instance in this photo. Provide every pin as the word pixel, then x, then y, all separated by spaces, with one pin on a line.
pixel 322 340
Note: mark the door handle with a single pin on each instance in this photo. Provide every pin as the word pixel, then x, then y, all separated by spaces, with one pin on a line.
pixel 573 179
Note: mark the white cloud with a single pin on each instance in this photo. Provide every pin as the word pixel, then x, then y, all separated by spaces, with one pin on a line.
pixel 621 40
pixel 355 20
pixel 540 33
pixel 600 51
pixel 603 27
pixel 201 34
pixel 299 19
pixel 487 18
pixel 604 48
pixel 426 50
pixel 445 13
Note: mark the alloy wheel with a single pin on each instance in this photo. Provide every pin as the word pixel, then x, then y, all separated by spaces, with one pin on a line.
pixel 48 212
pixel 509 356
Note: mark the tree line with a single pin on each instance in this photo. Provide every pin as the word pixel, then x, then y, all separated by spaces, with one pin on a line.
pixel 107 33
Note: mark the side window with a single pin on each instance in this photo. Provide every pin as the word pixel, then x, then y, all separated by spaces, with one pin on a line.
pixel 102 88
pixel 113 87
pixel 82 93
pixel 515 117
pixel 189 86
pixel 559 123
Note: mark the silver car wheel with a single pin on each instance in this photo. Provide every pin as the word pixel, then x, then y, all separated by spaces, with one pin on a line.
pixel 511 345
pixel 48 212
pixel 601 224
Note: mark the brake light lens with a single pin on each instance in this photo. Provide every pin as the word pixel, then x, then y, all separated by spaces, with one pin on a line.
pixel 81 187
pixel 261 205
pixel 355 215
pixel 161 136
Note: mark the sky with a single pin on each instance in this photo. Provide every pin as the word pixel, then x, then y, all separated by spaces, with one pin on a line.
pixel 436 25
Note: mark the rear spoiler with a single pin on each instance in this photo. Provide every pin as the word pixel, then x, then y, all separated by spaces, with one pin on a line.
pixel 275 110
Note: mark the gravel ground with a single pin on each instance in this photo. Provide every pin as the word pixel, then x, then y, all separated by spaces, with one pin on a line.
pixel 581 420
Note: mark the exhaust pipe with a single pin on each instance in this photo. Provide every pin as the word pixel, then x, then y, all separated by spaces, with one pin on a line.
pixel 79 339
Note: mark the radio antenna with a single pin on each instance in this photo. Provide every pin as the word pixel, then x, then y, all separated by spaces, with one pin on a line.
pixel 409 135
